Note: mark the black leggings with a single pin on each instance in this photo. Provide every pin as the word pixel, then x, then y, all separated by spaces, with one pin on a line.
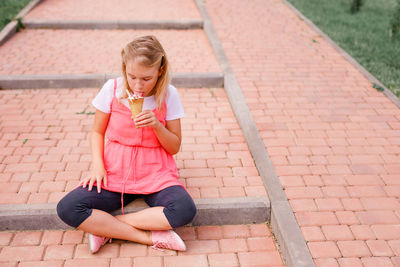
pixel 77 205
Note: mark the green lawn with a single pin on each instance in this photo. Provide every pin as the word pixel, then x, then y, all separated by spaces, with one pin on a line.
pixel 366 35
pixel 8 10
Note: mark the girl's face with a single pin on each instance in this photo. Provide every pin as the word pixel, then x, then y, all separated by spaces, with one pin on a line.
pixel 141 79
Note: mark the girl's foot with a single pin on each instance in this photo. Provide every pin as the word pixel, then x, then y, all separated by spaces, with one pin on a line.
pixel 96 242
pixel 167 239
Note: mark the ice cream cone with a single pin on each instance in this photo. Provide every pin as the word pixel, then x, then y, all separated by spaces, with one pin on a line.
pixel 135 103
pixel 136 106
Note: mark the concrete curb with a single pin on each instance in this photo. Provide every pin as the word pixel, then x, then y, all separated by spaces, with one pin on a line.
pixel 115 25
pixel 350 59
pixel 187 79
pixel 209 212
pixel 198 80
pixel 8 31
pixel 28 8
pixel 11 28
pixel 283 223
pixel 221 211
pixel 285 228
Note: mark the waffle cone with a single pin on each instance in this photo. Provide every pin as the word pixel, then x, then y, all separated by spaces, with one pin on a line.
pixel 136 106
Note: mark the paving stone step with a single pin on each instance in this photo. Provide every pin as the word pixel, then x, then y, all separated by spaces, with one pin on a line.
pixel 108 10
pixel 227 245
pixel 44 147
pixel 189 80
pixel 114 24
pixel 215 211
pixel 41 51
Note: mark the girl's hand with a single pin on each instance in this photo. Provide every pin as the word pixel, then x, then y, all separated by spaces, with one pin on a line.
pixel 147 118
pixel 97 175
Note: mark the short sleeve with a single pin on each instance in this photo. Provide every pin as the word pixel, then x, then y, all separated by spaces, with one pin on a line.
pixel 103 99
pixel 174 105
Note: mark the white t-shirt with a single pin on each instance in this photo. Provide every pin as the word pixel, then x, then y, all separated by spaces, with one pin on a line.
pixel 103 100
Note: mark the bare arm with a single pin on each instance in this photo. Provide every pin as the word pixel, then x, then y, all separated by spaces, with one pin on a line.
pixel 169 135
pixel 98 172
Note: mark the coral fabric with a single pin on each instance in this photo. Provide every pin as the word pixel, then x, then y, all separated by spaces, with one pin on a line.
pixel 134 159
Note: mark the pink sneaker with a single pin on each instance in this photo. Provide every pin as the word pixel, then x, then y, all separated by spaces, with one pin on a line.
pixel 96 242
pixel 167 239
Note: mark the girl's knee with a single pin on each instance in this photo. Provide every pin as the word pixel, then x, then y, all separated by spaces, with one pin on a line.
pixel 191 210
pixel 62 211
pixel 180 213
pixel 72 212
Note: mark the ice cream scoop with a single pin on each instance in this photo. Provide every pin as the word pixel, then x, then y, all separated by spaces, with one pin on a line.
pixel 138 93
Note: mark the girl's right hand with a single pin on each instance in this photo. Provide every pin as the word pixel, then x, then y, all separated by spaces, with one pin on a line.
pixel 97 175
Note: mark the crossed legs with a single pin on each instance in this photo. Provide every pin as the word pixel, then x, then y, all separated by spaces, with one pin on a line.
pixel 89 211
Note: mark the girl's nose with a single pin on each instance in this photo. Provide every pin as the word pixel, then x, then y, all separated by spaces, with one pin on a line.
pixel 138 85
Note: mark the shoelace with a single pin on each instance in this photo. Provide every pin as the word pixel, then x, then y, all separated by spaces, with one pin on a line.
pixel 105 240
pixel 102 241
pixel 159 245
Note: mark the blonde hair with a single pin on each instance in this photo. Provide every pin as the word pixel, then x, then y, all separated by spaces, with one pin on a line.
pixel 151 53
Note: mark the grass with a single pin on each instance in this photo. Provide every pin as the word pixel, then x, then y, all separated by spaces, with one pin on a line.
pixel 365 35
pixel 8 10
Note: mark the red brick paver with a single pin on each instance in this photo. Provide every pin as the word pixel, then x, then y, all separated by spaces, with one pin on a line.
pixel 334 140
pixel 203 249
pixel 45 148
pixel 98 51
pixel 110 10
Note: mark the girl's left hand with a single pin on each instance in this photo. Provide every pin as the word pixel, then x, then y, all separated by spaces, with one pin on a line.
pixel 146 118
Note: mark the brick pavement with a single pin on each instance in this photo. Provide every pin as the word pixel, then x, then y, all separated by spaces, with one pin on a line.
pixel 228 245
pixel 45 149
pixel 98 51
pixel 108 10
pixel 334 140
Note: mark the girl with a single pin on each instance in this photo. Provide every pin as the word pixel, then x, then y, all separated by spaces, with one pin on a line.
pixel 136 161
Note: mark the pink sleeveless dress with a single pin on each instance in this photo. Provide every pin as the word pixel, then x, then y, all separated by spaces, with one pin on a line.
pixel 134 159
